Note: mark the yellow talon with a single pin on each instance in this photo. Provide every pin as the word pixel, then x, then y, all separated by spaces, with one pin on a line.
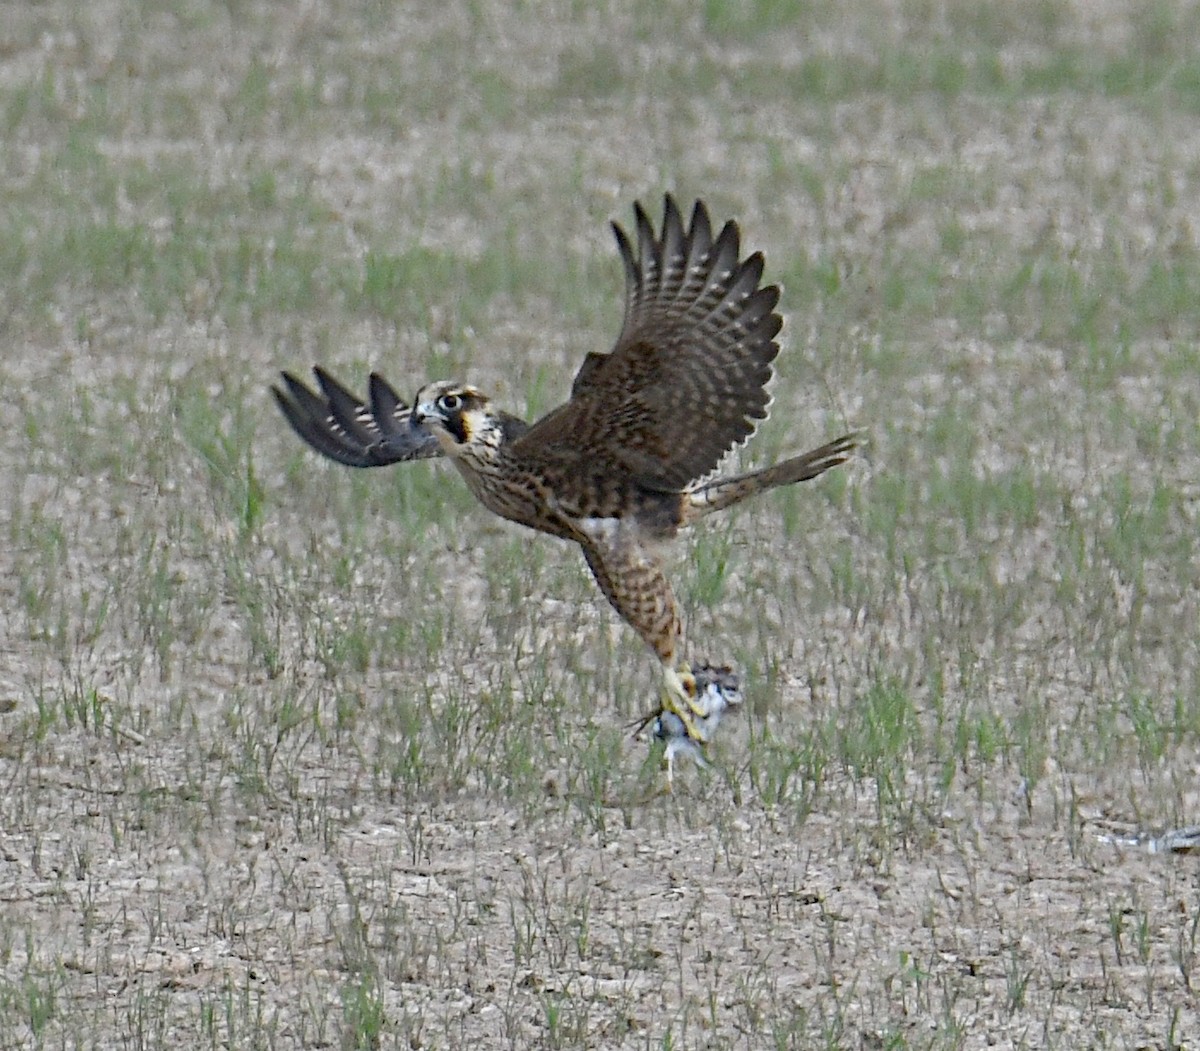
pixel 679 698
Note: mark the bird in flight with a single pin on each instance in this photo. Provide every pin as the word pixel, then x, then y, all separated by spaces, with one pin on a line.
pixel 627 461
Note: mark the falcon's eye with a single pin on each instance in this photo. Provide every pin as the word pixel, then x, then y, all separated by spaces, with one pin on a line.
pixel 449 402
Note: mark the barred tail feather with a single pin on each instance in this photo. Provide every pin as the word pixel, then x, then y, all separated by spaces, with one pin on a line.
pixel 725 492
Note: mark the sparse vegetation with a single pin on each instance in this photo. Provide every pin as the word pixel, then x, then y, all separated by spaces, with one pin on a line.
pixel 297 756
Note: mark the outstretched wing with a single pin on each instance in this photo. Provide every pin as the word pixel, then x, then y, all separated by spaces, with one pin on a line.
pixel 338 425
pixel 686 381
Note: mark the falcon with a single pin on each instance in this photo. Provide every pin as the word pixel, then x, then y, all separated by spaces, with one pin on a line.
pixel 628 460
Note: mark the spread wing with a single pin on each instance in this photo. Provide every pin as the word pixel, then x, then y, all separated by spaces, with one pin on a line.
pixel 686 381
pixel 338 425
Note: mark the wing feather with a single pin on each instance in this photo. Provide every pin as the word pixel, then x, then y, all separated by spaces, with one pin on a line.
pixel 686 381
pixel 339 426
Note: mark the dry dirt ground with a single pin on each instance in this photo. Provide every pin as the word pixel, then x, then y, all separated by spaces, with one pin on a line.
pixel 295 757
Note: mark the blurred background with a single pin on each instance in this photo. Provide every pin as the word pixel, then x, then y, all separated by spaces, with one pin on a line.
pixel 299 756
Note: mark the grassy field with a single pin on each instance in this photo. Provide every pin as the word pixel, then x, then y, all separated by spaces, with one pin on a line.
pixel 298 756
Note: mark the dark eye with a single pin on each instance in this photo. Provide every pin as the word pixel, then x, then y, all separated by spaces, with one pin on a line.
pixel 449 402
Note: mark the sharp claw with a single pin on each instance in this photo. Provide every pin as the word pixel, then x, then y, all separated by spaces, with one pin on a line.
pixel 679 698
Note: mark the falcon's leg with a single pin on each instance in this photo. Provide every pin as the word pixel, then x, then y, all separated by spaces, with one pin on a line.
pixel 679 698
pixel 633 582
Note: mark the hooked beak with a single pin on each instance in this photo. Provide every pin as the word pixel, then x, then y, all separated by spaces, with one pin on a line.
pixel 422 411
pixel 427 415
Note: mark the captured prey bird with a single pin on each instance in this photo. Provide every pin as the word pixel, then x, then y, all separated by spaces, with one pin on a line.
pixel 627 461
pixel 712 691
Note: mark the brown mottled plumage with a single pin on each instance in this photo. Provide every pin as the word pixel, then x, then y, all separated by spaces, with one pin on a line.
pixel 619 468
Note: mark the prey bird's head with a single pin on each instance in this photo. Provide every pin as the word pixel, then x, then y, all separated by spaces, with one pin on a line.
pixel 718 688
pixel 457 414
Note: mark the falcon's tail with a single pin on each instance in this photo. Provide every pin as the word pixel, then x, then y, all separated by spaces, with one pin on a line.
pixel 725 492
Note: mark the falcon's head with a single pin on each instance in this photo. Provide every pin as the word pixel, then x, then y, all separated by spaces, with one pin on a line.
pixel 457 414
